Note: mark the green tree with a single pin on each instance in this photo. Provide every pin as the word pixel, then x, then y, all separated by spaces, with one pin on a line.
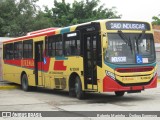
pixel 21 16
pixel 156 20
pixel 65 14
pixel 32 18
pixel 17 17
pixel 8 11
pixel 41 21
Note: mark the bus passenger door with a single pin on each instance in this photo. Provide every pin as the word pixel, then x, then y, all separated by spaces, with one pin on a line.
pixel 38 62
pixel 90 60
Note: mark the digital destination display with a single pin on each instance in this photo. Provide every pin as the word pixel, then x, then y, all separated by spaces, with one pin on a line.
pixel 121 25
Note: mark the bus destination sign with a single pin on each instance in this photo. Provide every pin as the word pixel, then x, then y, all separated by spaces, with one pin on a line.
pixel 122 25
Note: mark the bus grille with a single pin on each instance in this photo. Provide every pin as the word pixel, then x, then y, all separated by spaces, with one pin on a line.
pixel 137 69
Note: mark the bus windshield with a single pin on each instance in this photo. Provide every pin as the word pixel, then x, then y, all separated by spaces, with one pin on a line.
pixel 130 48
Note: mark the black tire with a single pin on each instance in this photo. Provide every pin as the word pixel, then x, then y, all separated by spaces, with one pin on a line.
pixel 72 87
pixel 119 93
pixel 24 83
pixel 72 92
pixel 78 88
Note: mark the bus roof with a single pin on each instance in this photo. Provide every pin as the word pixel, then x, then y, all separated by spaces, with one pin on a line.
pixel 52 31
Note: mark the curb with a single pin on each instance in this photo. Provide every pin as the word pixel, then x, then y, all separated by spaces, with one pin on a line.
pixel 4 85
pixel 7 87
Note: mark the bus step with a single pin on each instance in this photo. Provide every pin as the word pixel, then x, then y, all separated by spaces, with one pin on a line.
pixel 92 87
pixel 40 86
pixel 88 90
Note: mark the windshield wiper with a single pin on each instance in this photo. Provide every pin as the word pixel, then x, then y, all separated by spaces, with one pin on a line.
pixel 125 39
pixel 139 39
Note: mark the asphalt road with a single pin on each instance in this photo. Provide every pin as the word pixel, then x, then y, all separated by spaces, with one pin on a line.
pixel 49 100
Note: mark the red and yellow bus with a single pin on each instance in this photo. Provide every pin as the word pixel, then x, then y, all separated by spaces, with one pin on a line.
pixel 98 56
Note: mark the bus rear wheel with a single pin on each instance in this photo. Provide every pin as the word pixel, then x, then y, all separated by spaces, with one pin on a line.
pixel 119 93
pixel 24 82
pixel 78 88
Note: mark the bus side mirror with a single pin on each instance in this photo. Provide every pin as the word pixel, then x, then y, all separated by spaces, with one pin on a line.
pixel 105 41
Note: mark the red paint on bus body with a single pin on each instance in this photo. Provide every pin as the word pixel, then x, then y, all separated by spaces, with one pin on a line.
pixel 59 65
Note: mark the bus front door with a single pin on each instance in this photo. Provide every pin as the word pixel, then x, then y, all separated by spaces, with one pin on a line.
pixel 39 63
pixel 90 60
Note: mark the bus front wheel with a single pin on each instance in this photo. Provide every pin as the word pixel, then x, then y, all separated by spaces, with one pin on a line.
pixel 78 88
pixel 119 93
pixel 24 83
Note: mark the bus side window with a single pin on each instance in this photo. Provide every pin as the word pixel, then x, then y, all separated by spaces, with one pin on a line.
pixel 46 47
pixel 18 50
pixel 70 48
pixel 4 51
pixel 8 51
pixel 59 48
pixel 51 46
pixel 55 47
pixel 28 49
pixel 72 43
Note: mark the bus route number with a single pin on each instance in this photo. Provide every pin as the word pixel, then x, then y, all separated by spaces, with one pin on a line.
pixel 74 69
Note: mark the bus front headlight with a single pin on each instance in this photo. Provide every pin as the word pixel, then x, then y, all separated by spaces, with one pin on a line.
pixel 110 74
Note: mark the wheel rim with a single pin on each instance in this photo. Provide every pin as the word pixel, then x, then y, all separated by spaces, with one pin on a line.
pixel 24 82
pixel 76 87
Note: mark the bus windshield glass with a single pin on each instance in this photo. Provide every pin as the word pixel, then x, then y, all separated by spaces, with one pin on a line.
pixel 130 48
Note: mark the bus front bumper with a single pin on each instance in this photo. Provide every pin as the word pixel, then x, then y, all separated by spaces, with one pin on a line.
pixel 110 85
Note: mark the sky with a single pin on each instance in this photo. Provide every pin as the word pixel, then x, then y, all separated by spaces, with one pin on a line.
pixel 142 10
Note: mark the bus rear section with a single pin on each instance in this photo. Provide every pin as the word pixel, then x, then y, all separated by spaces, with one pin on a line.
pixel 129 59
